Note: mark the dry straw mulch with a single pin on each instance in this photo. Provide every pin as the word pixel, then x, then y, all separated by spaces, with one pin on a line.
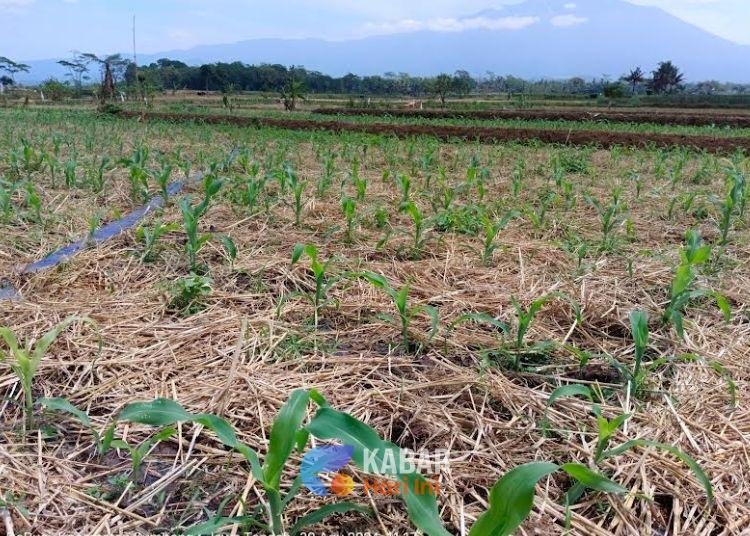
pixel 491 419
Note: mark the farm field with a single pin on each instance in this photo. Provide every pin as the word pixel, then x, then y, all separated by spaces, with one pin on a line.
pixel 508 303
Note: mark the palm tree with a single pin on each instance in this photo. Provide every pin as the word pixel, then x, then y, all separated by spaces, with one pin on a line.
pixel 634 77
pixel 666 78
pixel 291 92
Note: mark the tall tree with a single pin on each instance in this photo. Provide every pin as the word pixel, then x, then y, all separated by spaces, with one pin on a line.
pixel 292 91
pixel 441 86
pixel 634 78
pixel 666 78
pixel 112 66
pixel 77 68
pixel 12 68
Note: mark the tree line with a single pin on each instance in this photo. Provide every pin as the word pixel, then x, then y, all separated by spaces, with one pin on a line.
pixel 86 69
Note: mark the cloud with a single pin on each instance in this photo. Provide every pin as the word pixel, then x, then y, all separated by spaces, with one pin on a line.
pixel 13 6
pixel 571 5
pixel 449 24
pixel 564 21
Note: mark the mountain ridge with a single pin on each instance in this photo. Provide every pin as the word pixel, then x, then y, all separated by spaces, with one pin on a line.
pixel 533 39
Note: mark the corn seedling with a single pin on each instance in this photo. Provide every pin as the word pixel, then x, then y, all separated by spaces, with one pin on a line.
pixel 682 290
pixel 734 202
pixel 609 215
pixel 151 235
pixel 138 453
pixel 188 294
pixel 230 249
pixel 162 178
pixel 288 434
pixel 511 498
pixel 102 441
pixel 323 282
pixel 490 230
pixel 349 208
pixel 25 361
pixel 516 177
pixel 33 202
pixel 607 429
pixel 406 313
pixel 139 174
pixel 420 226
pixel 298 189
pixel 639 329
pixel 524 318
pixel 404 184
pixel 69 172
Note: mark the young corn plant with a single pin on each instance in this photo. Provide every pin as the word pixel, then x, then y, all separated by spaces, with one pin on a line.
pixel 517 177
pixel 420 225
pixel 734 202
pixel 406 312
pixel 639 329
pixel 69 172
pixel 610 216
pixel 490 230
pixel 26 360
pixel 149 236
pixel 137 165
pixel 191 216
pixel 33 202
pixel 682 290
pixel 514 353
pixel 349 208
pixel 230 249
pixel 289 433
pixel 323 280
pixel 511 498
pixel 162 178
pixel 188 295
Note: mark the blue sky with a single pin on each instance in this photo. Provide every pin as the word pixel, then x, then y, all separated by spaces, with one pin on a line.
pixel 37 29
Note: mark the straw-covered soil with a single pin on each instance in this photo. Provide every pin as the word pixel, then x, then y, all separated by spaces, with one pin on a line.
pixel 244 353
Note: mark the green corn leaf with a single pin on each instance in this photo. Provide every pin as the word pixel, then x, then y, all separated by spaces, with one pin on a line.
pixel 160 412
pixel 422 508
pixel 723 304
pixel 43 344
pixel 566 391
pixel 297 252
pixel 61 404
pixel 284 436
pixel 481 318
pixel 323 512
pixel 687 460
pixel 592 479
pixel 220 427
pixel 10 339
pixel 511 500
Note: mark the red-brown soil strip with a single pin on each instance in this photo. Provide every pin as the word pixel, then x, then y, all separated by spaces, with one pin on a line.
pixel 472 133
pixel 656 118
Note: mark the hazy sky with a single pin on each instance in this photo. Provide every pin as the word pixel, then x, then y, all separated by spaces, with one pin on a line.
pixel 37 29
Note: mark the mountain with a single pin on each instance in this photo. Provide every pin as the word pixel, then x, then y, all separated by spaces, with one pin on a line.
pixel 533 39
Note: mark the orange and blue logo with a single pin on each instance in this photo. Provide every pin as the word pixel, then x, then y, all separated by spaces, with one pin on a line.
pixel 328 459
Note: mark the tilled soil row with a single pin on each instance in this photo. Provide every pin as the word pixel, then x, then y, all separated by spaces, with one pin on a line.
pixel 473 133
pixel 681 119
